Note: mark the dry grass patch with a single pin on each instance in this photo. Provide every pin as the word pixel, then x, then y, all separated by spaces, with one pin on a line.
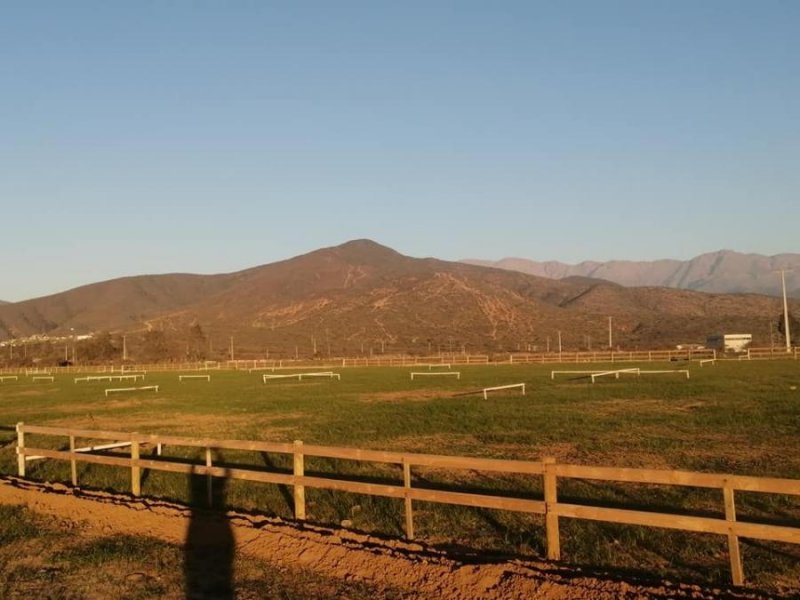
pixel 416 395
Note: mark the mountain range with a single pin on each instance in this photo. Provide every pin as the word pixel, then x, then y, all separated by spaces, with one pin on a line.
pixel 722 272
pixel 361 296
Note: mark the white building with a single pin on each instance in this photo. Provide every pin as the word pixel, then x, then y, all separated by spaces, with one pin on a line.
pixel 730 342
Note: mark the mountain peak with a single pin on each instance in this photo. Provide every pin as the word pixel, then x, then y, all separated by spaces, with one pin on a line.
pixel 720 271
pixel 362 251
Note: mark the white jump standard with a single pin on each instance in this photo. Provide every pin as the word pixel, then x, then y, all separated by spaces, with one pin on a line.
pixel 182 377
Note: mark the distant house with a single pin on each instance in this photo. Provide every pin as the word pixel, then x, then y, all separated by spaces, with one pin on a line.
pixel 730 342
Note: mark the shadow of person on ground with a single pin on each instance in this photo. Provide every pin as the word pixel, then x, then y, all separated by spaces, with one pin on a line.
pixel 210 546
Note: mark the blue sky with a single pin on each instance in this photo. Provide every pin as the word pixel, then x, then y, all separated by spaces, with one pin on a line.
pixel 151 137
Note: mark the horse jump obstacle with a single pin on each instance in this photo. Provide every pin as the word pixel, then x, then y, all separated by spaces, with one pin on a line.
pixel 9 377
pixel 330 374
pixel 436 373
pixel 503 387
pixel 713 361
pixel 133 377
pixel 182 377
pixel 554 373
pixel 615 373
pixel 143 388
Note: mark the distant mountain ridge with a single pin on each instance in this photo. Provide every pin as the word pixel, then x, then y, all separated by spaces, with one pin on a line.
pixel 360 295
pixel 721 272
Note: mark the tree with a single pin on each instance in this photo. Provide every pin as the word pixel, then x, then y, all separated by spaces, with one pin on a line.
pixel 196 344
pixel 156 347
pixel 99 348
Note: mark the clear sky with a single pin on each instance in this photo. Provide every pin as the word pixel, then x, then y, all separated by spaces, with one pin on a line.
pixel 151 137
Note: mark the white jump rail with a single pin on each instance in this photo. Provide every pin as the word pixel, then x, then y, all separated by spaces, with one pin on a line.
pixel 615 373
pixel 503 387
pixel 436 366
pixel 299 376
pixel 130 377
pixel 436 374
pixel 9 378
pixel 86 449
pixel 43 378
pixel 142 388
pixel 706 361
pixel 573 372
pixel 182 377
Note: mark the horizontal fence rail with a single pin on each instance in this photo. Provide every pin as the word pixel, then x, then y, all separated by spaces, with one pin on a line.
pixel 550 471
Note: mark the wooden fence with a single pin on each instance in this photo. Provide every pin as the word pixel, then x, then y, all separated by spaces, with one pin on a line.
pixel 604 356
pixel 550 471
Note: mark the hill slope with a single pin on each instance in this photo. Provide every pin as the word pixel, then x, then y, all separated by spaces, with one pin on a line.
pixel 362 296
pixel 722 272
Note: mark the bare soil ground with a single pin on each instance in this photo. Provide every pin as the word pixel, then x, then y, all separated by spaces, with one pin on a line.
pixel 359 565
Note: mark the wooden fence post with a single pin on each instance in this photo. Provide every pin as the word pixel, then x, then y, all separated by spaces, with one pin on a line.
pixel 73 463
pixel 550 516
pixel 136 472
pixel 299 490
pixel 20 449
pixel 737 572
pixel 409 508
pixel 209 481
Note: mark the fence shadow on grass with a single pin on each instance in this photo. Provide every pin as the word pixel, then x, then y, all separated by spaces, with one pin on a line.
pixel 283 489
pixel 210 547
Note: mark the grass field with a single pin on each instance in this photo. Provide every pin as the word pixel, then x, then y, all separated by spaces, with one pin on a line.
pixel 735 417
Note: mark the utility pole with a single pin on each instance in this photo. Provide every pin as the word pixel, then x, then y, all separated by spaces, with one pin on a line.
pixel 786 313
pixel 124 347
pixel 610 342
pixel 232 355
pixel 548 344
pixel 559 342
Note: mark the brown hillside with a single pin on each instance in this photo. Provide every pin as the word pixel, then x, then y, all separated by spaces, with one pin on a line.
pixel 362 297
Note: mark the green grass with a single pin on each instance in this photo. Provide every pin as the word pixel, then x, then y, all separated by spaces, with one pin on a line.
pixel 735 417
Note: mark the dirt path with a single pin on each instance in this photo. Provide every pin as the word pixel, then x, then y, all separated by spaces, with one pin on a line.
pixel 417 571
